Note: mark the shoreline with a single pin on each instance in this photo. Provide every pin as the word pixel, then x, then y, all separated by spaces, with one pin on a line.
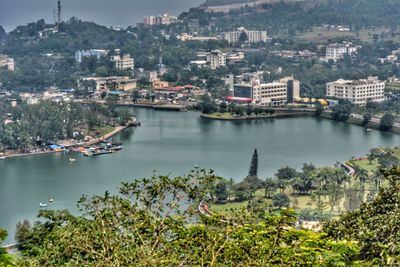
pixel 94 141
pixel 358 121
pixel 262 117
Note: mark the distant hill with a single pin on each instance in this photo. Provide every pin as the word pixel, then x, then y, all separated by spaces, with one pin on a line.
pixel 225 2
pixel 211 3
pixel 292 16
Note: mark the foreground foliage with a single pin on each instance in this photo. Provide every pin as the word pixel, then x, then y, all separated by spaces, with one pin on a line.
pixel 376 225
pixel 155 222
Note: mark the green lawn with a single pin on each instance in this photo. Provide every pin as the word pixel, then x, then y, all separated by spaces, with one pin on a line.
pixel 364 164
pixel 225 115
pixel 228 206
pixel 104 130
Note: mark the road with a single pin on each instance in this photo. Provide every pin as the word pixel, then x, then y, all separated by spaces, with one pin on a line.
pixel 375 119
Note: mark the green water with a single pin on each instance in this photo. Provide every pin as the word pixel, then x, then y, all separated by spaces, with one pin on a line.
pixel 172 142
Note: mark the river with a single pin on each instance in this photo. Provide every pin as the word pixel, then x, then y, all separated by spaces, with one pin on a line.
pixel 172 142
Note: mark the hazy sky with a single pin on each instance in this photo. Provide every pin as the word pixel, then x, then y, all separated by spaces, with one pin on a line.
pixel 106 12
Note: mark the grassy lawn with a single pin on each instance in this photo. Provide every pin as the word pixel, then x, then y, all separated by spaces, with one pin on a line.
pixel 103 130
pixel 364 164
pixel 225 115
pixel 228 206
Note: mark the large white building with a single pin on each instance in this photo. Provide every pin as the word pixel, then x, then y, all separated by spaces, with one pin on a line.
pixel 252 36
pixel 277 93
pixel 337 51
pixel 90 53
pixel 7 62
pixel 358 92
pixel 124 62
pixel 216 59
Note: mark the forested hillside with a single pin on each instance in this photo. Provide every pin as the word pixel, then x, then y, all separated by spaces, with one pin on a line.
pixel 356 14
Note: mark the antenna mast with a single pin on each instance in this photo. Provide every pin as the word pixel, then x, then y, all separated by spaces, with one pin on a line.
pixel 58 13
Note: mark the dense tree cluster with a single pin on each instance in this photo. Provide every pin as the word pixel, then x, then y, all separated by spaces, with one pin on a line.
pixel 48 122
pixel 375 226
pixel 155 222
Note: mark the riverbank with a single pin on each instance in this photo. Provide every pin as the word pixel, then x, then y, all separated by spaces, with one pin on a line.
pixel 373 124
pixel 230 117
pixel 152 105
pixel 91 142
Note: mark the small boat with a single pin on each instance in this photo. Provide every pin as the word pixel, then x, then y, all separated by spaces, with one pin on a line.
pixel 42 205
pixel 71 159
pixel 115 148
pixel 2 158
pixel 368 129
pixel 51 200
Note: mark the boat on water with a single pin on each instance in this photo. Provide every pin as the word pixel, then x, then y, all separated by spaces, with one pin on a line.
pixel 116 148
pixel 368 129
pixel 2 158
pixel 97 152
pixel 42 205
pixel 71 159
pixel 51 200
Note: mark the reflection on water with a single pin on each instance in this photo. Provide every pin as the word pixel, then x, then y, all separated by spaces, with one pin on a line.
pixel 172 142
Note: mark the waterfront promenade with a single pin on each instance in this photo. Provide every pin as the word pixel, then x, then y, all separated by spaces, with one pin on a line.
pixel 91 142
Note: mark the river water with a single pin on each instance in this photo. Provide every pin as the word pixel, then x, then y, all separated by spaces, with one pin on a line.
pixel 172 142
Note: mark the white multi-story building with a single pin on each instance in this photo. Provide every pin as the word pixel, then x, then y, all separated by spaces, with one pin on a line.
pixel 337 51
pixel 124 62
pixel 216 59
pixel 7 62
pixel 252 36
pixel 277 93
pixel 164 19
pixel 98 53
pixel 358 92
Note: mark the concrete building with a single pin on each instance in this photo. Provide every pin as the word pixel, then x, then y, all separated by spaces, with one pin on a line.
pixel 358 92
pixel 198 63
pixel 147 75
pixel 158 84
pixel 7 62
pixel 216 59
pixel 164 19
pixel 337 51
pixel 106 84
pixel 252 36
pixel 187 37
pixel 124 62
pixel 277 93
pixel 393 58
pixel 98 53
pixel 235 57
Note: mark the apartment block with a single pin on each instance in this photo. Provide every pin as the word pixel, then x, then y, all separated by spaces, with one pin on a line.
pixel 124 62
pixel 358 92
pixel 7 62
pixel 164 19
pixel 276 93
pixel 252 36
pixel 337 51
pixel 216 59
pixel 98 53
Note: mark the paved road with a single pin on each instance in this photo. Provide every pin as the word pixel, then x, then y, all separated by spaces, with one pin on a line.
pixel 375 119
